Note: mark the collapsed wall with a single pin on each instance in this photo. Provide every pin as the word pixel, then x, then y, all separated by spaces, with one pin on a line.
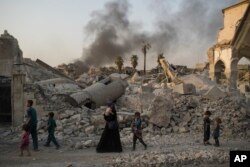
pixel 99 93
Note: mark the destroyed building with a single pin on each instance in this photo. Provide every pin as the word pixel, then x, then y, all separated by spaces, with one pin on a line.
pixel 11 80
pixel 22 79
pixel 171 102
pixel 232 45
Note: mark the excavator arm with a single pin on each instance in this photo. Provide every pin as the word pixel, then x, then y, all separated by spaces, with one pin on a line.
pixel 169 74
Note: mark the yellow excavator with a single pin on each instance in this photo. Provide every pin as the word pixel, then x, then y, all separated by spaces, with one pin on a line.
pixel 169 72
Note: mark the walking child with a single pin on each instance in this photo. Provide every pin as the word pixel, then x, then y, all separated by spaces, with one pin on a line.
pixel 216 132
pixel 137 131
pixel 32 123
pixel 51 130
pixel 207 122
pixel 25 140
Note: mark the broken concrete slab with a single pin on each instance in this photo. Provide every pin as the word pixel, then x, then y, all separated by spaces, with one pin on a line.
pixel 200 82
pixel 99 94
pixel 184 88
pixel 214 93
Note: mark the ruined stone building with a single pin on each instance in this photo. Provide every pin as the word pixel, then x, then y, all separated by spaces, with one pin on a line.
pixel 233 43
pixel 22 79
pixel 11 80
pixel 16 73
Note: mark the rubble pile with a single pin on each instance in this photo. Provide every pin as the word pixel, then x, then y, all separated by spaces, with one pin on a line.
pixel 171 158
pixel 35 72
pixel 86 79
pixel 184 113
pixel 76 126
pixel 166 114
pixel 202 83
pixel 169 119
pixel 72 124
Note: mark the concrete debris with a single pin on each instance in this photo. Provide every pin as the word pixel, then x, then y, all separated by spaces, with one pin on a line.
pixel 116 76
pixel 166 111
pixel 161 109
pixel 171 158
pixel 35 72
pixel 165 114
pixel 201 83
pixel 85 79
pixel 59 85
pixel 99 93
pixel 214 93
pixel 184 88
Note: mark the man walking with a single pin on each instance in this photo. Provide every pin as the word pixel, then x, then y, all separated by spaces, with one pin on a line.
pixel 32 123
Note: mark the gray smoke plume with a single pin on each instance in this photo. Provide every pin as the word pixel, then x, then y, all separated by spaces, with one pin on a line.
pixel 113 33
pixel 197 23
pixel 182 34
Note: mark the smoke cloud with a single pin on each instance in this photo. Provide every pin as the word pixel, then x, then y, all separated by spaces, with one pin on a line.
pixel 183 34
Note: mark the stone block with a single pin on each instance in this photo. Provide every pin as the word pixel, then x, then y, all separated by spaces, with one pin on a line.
pixel 184 88
pixel 89 143
pixel 98 121
pixel 214 93
pixel 76 117
pixel 161 109
pixel 89 130
pixel 183 130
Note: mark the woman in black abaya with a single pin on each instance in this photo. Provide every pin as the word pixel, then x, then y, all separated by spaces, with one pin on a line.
pixel 110 139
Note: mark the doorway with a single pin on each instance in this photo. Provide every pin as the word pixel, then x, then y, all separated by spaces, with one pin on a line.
pixel 5 100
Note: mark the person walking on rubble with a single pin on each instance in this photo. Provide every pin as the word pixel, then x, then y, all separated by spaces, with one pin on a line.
pixel 32 123
pixel 206 125
pixel 51 125
pixel 110 140
pixel 137 131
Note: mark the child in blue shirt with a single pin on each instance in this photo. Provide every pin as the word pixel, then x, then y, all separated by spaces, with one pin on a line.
pixel 51 131
pixel 137 131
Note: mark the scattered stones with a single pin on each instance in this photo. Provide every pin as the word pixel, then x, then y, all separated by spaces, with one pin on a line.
pixel 89 143
pixel 168 118
pixel 89 129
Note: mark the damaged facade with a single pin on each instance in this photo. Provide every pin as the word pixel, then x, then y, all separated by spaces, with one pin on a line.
pixel 12 79
pixel 232 45
pixel 22 79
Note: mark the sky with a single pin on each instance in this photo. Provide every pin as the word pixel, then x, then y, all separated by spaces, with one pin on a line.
pixel 53 30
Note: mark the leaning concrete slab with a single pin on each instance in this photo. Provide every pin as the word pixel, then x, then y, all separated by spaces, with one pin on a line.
pixel 214 93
